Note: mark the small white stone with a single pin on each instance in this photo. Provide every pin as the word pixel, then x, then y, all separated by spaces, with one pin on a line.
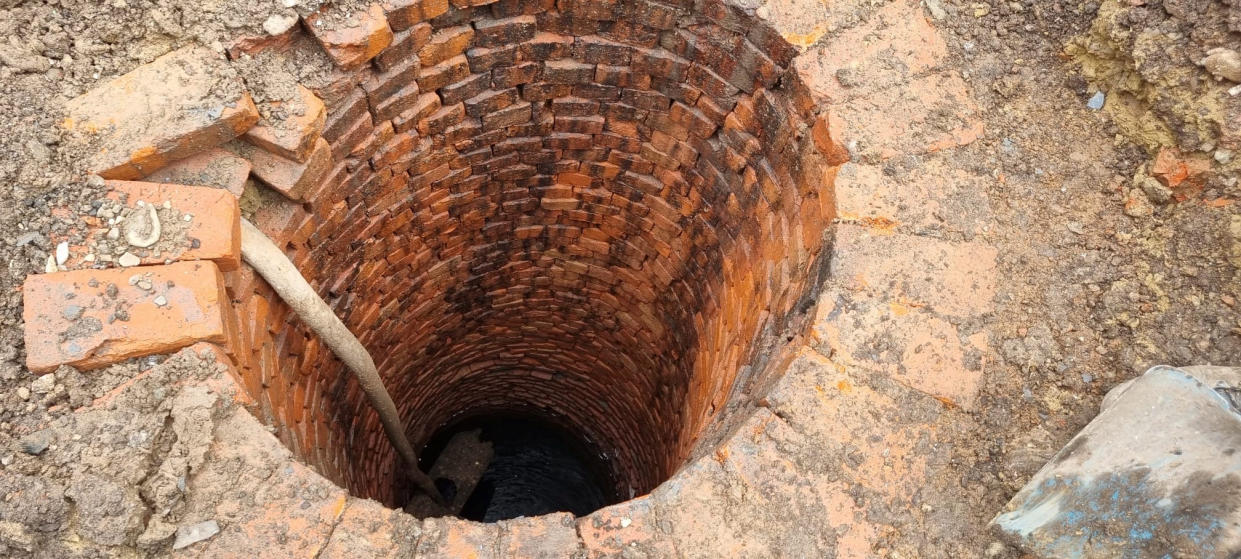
pixel 141 203
pixel 62 253
pixel 44 384
pixel 277 24
pixel 50 267
pixel 128 260
pixel 23 392
pixel 161 301
pixel 187 218
pixel 167 205
pixel 625 522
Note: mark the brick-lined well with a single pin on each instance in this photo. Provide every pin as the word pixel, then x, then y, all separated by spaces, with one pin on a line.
pixel 606 215
pixel 596 213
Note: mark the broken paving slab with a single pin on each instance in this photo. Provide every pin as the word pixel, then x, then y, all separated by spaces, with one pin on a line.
pixel 93 318
pixel 181 103
pixel 1156 474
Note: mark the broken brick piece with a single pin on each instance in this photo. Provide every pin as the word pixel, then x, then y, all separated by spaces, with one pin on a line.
pixel 293 135
pixel 1172 168
pixel 353 40
pixel 289 177
pixel 828 141
pixel 94 318
pixel 213 231
pixel 217 168
pixel 179 104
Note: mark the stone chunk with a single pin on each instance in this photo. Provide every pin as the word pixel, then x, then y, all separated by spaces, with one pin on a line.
pixel 1154 475
pixel 293 128
pixel 351 40
pixel 289 177
pixel 113 320
pixel 181 103
pixel 217 168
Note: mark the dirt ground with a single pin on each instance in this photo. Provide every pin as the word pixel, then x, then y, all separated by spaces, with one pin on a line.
pixel 1092 296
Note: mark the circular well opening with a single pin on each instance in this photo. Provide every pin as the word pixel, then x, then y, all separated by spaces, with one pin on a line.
pixel 584 227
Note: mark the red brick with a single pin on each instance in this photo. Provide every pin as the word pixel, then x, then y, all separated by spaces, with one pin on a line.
pixel 445 44
pixel 405 45
pixel 403 14
pixel 215 220
pixel 507 31
pixel 70 318
pixel 293 136
pixel 136 124
pixel 354 41
pixel 444 73
pixel 426 104
pixel 290 178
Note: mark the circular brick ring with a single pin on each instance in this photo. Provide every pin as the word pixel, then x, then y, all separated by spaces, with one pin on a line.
pixel 608 215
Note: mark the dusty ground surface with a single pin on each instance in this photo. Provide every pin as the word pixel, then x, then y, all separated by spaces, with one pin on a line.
pixel 1090 296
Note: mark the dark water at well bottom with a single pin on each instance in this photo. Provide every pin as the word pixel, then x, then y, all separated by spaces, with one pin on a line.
pixel 538 468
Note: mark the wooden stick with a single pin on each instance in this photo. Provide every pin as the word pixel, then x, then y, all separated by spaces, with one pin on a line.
pixel 270 262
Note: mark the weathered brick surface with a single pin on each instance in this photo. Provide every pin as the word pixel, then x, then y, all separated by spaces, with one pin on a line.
pixel 289 177
pixel 93 318
pixel 213 167
pixel 951 278
pixel 353 38
pixel 182 103
pixel 295 126
pixel 549 536
pixel 213 232
pixel 265 502
pixel 445 538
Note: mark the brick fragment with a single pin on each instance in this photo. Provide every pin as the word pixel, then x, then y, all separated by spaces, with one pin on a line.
pixel 94 318
pixel 294 127
pixel 828 141
pixel 351 40
pixel 180 104
pixel 215 167
pixel 290 178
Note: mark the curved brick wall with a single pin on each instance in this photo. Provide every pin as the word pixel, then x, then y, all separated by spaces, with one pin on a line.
pixel 594 212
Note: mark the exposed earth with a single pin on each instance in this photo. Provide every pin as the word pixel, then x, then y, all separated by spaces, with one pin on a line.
pixel 1103 273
